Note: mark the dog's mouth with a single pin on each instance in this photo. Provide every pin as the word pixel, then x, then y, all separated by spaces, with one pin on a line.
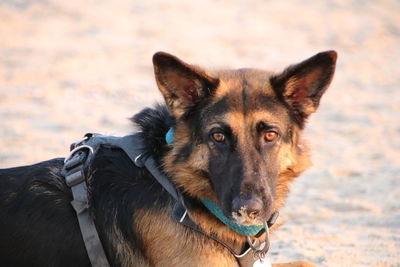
pixel 241 217
pixel 245 218
pixel 248 210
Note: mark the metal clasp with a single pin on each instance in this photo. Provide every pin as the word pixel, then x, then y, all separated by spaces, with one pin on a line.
pixel 71 154
pixel 263 248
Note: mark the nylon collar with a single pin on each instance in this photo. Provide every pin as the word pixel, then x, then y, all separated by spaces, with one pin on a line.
pixel 246 230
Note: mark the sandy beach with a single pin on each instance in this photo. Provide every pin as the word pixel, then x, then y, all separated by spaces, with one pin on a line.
pixel 71 67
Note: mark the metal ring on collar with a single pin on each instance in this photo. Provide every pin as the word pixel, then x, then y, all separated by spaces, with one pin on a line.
pixel 263 247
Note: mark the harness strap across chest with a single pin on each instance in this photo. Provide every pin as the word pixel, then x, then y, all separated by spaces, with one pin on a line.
pixel 82 152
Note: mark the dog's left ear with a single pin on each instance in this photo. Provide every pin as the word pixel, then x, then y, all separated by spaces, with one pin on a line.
pixel 182 85
pixel 302 85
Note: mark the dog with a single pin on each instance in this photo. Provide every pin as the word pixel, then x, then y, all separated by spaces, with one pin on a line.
pixel 236 142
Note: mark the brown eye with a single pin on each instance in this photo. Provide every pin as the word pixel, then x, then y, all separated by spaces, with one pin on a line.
pixel 270 136
pixel 218 137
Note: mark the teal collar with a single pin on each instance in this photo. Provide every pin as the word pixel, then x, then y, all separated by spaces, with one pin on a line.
pixel 246 230
pixel 169 137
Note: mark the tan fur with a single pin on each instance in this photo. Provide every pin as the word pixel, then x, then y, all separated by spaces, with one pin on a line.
pixel 230 81
pixel 291 85
pixel 294 160
pixel 186 173
pixel 170 244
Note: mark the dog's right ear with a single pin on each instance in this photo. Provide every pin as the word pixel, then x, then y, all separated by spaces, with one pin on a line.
pixel 182 85
pixel 302 85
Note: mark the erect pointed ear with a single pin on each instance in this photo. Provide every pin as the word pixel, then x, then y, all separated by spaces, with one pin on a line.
pixel 182 85
pixel 302 85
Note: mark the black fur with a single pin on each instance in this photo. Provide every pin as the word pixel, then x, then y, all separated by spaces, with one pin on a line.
pixel 38 226
pixel 154 123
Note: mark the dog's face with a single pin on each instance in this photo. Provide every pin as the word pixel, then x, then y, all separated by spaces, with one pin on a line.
pixel 236 137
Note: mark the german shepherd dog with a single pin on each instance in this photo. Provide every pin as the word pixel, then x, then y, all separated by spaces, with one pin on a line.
pixel 237 142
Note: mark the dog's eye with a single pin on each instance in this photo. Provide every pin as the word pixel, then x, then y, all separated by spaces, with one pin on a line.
pixel 270 136
pixel 218 137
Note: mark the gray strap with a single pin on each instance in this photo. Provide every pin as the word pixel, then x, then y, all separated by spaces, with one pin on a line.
pixel 132 145
pixel 151 166
pixel 94 248
pixel 90 236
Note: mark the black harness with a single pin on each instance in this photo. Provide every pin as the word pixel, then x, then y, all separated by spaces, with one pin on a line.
pixel 83 151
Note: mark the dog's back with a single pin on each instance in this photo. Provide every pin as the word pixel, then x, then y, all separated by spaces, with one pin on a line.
pixel 38 226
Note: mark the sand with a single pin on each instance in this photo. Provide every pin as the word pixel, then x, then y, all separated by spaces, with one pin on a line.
pixel 71 67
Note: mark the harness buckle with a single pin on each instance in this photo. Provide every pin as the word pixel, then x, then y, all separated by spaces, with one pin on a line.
pixel 80 142
pixel 73 164
pixel 77 156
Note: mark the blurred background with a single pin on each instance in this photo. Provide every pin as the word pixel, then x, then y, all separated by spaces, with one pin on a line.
pixel 71 67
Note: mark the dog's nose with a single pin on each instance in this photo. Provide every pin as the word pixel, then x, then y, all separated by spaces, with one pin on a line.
pixel 247 206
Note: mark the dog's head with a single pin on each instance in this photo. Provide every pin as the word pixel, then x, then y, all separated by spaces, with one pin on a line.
pixel 237 132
